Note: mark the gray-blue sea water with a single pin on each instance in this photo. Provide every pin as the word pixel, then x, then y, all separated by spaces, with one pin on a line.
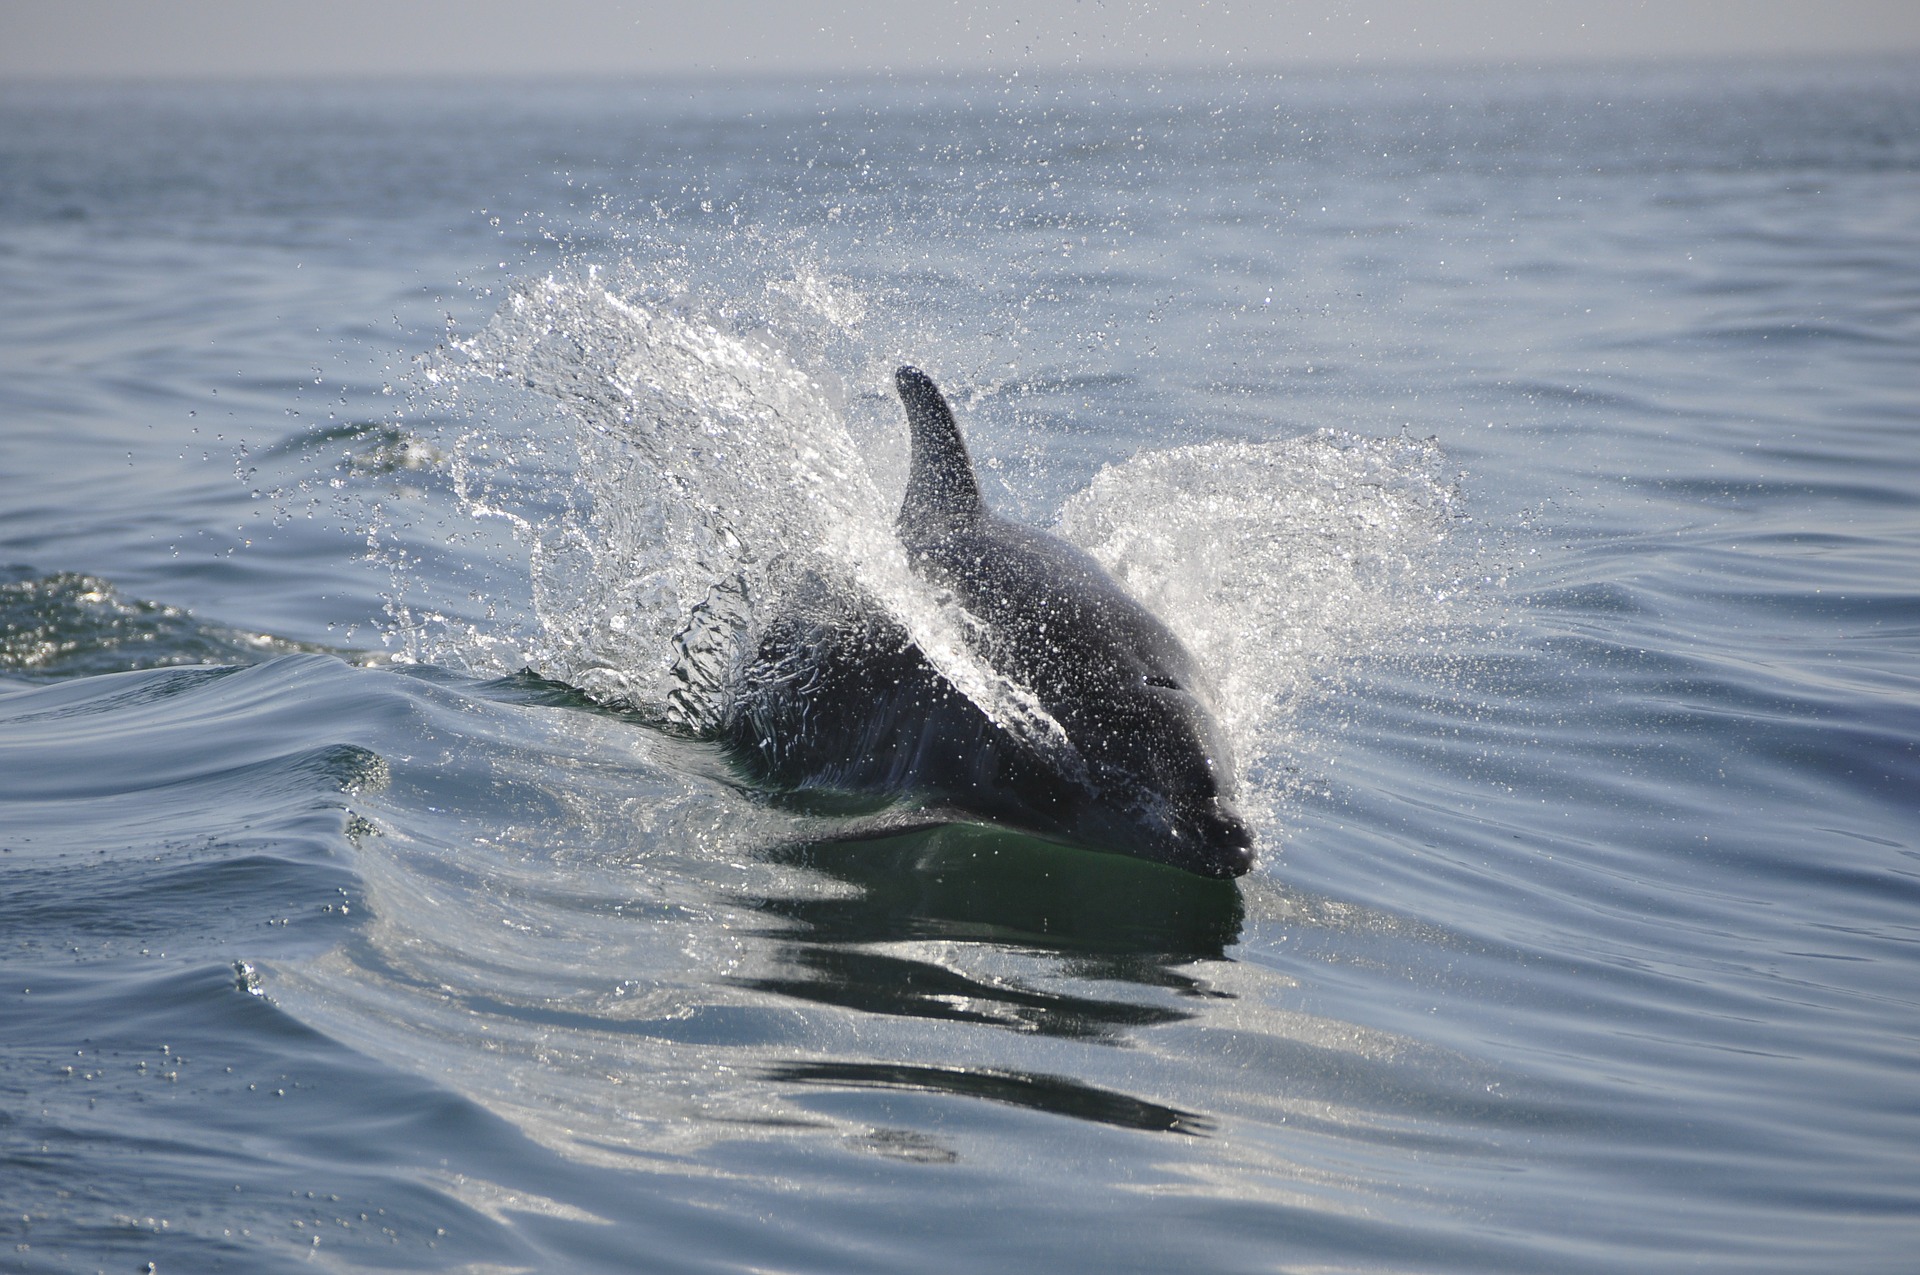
pixel 1534 457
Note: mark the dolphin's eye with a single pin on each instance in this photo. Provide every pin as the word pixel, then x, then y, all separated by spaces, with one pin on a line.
pixel 1156 679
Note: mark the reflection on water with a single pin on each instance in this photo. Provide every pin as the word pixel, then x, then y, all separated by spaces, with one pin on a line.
pixel 1054 1094
pixel 929 907
pixel 1116 917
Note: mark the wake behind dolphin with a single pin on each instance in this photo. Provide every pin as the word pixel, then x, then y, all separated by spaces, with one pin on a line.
pixel 837 699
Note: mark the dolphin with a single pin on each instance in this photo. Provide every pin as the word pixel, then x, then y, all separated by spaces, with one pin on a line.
pixel 836 700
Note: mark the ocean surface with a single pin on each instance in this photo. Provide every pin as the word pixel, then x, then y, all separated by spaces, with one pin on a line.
pixel 388 477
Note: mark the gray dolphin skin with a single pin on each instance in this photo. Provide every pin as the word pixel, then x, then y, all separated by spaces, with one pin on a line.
pixel 837 700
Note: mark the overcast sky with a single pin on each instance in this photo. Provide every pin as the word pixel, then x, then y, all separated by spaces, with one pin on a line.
pixel 201 38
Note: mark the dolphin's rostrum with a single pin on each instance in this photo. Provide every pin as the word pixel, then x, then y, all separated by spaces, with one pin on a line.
pixel 836 698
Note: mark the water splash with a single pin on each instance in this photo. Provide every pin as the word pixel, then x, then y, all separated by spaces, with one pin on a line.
pixel 680 474
pixel 1279 564
pixel 711 476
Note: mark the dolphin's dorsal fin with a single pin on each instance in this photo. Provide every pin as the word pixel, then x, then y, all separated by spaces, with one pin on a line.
pixel 941 490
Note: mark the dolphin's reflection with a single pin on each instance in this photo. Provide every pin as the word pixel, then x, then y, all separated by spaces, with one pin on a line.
pixel 1010 901
pixel 1056 1095
pixel 1102 917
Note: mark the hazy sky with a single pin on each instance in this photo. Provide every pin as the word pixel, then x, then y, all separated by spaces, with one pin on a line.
pixel 398 37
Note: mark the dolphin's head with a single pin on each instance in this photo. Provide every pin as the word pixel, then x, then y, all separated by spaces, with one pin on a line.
pixel 1160 780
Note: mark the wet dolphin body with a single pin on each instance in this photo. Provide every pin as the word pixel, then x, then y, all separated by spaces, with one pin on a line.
pixel 838 699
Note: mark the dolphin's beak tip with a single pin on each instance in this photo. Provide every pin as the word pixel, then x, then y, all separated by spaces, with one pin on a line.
pixel 1231 851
